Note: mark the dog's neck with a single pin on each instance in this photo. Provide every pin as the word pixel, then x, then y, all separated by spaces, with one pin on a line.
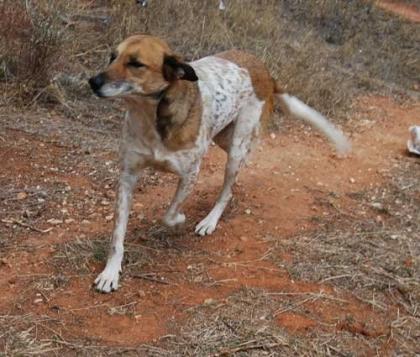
pixel 179 115
pixel 173 116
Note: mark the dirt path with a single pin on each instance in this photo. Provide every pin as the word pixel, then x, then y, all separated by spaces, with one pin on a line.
pixel 282 192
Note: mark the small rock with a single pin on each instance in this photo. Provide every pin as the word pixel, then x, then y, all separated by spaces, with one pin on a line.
pixel 69 220
pixel 109 218
pixel 272 136
pixel 377 205
pixel 352 180
pixel 85 221
pixel 248 211
pixel 21 195
pixel 209 301
pixel 55 221
pixel 38 301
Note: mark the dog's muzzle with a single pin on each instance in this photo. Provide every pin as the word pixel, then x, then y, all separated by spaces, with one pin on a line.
pixel 97 82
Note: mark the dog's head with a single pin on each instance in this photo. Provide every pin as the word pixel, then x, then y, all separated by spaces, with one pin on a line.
pixel 141 65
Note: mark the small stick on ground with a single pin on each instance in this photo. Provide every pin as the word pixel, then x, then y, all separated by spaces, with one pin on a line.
pixel 22 224
pixel 229 352
pixel 146 277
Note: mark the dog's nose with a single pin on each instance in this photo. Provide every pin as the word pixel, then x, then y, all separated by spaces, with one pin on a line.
pixel 97 82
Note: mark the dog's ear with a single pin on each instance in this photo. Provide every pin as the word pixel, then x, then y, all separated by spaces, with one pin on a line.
pixel 174 69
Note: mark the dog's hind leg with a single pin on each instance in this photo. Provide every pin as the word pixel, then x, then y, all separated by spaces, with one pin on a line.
pixel 244 130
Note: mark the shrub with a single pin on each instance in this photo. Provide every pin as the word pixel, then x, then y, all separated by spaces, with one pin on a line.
pixel 30 42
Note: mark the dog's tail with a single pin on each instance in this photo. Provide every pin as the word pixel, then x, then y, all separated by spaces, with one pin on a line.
pixel 296 108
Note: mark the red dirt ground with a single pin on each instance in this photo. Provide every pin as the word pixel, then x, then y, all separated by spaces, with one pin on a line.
pixel 276 195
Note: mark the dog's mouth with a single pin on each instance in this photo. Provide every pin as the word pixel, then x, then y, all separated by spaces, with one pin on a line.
pixel 114 89
pixel 102 88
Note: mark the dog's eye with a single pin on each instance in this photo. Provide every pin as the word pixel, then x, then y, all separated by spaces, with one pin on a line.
pixel 112 57
pixel 134 63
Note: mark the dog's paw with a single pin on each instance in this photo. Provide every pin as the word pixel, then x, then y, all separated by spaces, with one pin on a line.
pixel 174 220
pixel 107 281
pixel 206 226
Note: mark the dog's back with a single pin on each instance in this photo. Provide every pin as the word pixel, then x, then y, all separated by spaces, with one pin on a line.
pixel 263 84
pixel 229 80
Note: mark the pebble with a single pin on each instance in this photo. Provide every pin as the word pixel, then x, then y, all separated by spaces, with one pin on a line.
pixel 21 195
pixel 55 221
pixel 377 205
pixel 209 301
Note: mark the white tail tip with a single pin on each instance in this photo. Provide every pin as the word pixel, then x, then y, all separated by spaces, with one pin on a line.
pixel 297 108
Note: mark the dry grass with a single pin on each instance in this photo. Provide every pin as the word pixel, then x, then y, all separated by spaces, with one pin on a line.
pixel 243 325
pixel 377 261
pixel 324 51
pixel 30 45
pixel 82 253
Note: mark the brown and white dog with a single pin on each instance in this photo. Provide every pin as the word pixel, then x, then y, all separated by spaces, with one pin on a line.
pixel 175 110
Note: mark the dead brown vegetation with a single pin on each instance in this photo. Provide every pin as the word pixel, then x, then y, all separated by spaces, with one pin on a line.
pixel 324 51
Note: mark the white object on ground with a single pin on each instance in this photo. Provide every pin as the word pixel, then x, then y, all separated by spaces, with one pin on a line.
pixel 413 144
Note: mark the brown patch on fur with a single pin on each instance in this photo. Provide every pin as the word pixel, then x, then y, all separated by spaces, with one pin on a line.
pixel 179 115
pixel 263 83
pixel 278 88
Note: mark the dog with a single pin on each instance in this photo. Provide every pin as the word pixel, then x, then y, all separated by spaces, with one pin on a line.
pixel 175 110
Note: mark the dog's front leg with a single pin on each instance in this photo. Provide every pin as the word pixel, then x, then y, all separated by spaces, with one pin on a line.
pixel 107 281
pixel 174 216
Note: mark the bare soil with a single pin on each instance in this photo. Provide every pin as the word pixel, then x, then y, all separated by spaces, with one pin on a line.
pixel 292 185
